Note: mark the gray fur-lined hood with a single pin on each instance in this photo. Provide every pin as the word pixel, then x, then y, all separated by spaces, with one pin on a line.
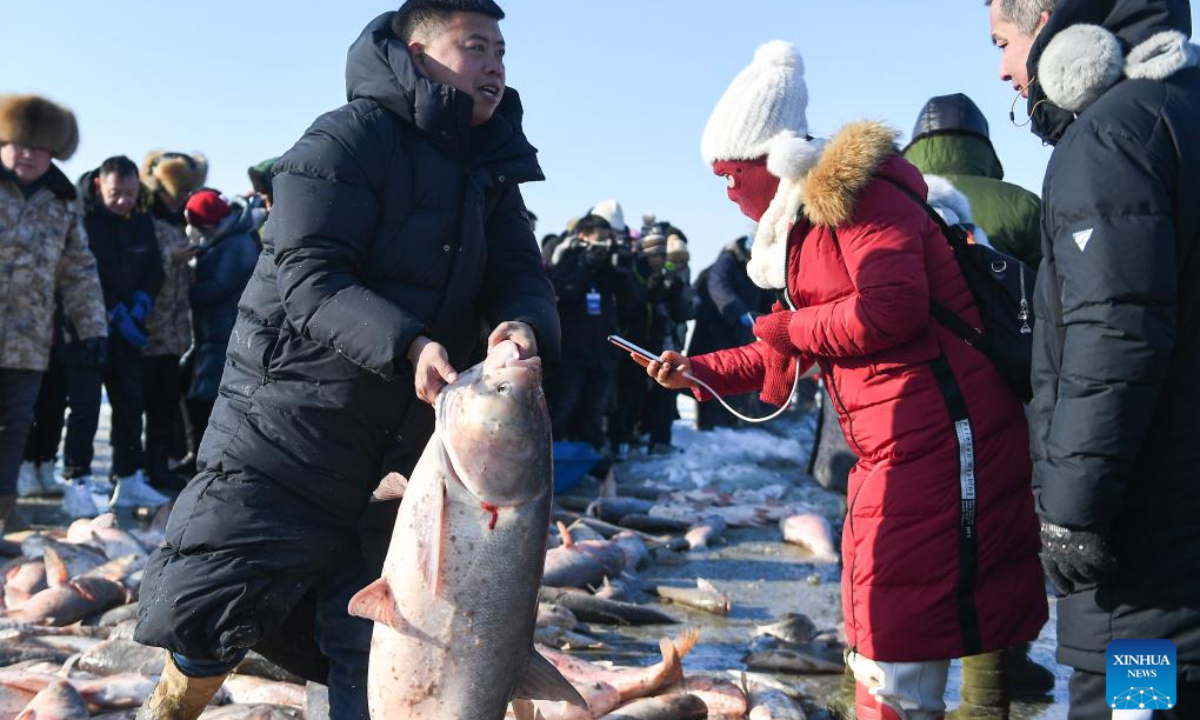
pixel 1088 46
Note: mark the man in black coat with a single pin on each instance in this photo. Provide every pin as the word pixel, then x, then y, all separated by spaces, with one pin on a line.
pixel 397 243
pixel 595 297
pixel 1114 86
pixel 122 236
pixel 728 301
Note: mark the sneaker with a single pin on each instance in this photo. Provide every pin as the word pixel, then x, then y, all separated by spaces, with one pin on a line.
pixel 46 478
pixel 27 480
pixel 133 491
pixel 77 498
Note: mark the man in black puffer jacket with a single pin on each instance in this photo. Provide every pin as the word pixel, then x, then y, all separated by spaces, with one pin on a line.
pixel 398 241
pixel 122 236
pixel 1116 367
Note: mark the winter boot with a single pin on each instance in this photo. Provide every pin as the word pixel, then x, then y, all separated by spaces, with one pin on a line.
pixel 46 479
pixel 133 491
pixel 841 705
pixel 158 467
pixel 1026 679
pixel 178 696
pixel 984 688
pixel 77 498
pixel 870 707
pixel 27 480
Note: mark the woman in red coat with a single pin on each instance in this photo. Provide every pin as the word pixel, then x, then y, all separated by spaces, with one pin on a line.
pixel 940 541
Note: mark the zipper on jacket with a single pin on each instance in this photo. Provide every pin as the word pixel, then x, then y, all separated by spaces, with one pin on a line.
pixel 1023 315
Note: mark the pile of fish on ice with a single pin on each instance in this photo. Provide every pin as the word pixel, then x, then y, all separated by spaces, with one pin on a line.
pixel 466 567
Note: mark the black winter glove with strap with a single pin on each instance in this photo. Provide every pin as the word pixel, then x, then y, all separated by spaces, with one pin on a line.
pixel 1075 558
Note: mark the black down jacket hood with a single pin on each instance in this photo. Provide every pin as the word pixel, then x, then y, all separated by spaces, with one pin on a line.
pixel 1132 21
pixel 1116 348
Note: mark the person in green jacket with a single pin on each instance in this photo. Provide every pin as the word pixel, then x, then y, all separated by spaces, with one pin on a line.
pixel 951 139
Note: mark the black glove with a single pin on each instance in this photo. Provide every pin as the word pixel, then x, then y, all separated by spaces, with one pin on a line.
pixel 1075 558
pixel 91 353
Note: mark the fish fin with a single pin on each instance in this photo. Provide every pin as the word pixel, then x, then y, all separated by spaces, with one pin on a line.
pixel 392 487
pixel 706 586
pixel 431 533
pixel 672 665
pixel 375 602
pixel 686 641
pixel 56 569
pixel 543 681
pixel 565 533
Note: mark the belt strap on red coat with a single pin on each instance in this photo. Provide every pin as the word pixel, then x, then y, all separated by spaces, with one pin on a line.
pixel 968 540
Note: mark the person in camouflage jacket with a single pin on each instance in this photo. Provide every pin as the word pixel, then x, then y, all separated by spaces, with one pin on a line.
pixel 43 251
pixel 168 177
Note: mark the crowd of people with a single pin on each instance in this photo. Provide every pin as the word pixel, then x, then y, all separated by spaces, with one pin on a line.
pixel 374 282
pixel 134 276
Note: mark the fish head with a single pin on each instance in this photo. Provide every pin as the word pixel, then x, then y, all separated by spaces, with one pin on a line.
pixel 495 428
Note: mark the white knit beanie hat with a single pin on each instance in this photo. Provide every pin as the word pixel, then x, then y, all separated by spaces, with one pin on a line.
pixel 763 114
pixel 611 211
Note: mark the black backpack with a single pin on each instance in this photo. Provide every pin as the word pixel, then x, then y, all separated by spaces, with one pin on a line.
pixel 1003 290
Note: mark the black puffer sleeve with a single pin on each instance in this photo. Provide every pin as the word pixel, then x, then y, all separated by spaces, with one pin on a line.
pixel 1115 286
pixel 325 215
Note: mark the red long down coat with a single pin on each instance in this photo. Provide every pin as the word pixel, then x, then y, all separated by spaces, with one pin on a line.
pixel 863 311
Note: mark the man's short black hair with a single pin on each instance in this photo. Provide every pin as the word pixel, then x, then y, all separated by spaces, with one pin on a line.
pixel 591 224
pixel 120 166
pixel 417 15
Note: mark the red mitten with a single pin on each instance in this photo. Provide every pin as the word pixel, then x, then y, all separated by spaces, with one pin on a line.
pixel 773 330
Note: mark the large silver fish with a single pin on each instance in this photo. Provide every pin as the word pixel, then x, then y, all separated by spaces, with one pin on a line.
pixel 455 609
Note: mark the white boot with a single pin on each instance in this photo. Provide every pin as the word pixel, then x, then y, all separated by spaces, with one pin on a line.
pixel 77 498
pixel 133 491
pixel 27 480
pixel 46 478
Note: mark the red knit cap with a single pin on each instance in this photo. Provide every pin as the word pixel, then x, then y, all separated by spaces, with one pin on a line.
pixel 206 208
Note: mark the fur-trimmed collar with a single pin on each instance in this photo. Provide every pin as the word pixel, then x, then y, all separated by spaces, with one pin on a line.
pixel 826 192
pixel 850 160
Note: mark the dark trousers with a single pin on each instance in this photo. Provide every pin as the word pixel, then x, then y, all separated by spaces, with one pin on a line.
pixel 632 387
pixel 579 398
pixel 48 414
pixel 343 639
pixel 122 378
pixel 660 415
pixel 18 395
pixel 195 421
pixel 161 389
pixel 1089 699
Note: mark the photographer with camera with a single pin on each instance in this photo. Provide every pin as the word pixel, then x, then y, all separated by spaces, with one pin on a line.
pixel 665 303
pixel 595 298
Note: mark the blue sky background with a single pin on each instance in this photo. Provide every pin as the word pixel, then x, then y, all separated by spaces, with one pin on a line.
pixel 616 93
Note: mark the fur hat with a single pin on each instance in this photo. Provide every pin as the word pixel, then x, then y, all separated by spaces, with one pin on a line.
pixel 677 250
pixel 763 114
pixel 611 211
pixel 1082 62
pixel 653 242
pixel 177 174
pixel 35 122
